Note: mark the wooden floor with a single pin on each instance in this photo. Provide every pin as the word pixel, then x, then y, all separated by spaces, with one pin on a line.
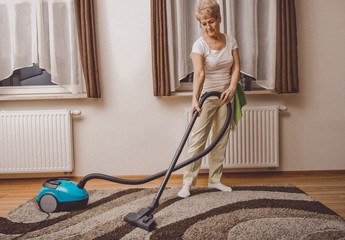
pixel 328 187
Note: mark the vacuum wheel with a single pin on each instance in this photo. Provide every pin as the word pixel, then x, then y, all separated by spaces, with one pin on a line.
pixel 48 203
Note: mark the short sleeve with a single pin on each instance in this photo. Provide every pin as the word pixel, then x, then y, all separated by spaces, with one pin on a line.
pixel 233 43
pixel 198 47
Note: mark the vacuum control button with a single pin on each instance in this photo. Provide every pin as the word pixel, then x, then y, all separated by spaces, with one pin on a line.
pixel 52 184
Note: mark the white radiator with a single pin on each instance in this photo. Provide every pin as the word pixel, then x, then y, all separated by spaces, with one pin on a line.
pixel 254 142
pixel 36 141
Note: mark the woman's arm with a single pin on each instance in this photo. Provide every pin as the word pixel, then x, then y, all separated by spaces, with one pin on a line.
pixel 228 95
pixel 198 81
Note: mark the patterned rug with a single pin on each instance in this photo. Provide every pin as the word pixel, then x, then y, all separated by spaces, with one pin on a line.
pixel 249 212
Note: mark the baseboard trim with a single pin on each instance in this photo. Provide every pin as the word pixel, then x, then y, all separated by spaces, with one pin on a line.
pixel 174 176
pixel 36 175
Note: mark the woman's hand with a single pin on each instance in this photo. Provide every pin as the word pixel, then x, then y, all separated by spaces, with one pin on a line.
pixel 195 106
pixel 228 95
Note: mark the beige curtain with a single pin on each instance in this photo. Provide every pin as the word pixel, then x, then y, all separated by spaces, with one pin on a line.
pixel 87 44
pixel 286 65
pixel 159 45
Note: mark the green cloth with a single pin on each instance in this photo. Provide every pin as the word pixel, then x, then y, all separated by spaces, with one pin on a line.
pixel 239 102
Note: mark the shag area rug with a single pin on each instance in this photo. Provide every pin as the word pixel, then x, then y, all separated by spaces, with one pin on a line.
pixel 248 212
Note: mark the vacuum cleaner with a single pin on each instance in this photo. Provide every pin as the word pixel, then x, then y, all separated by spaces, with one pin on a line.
pixel 65 195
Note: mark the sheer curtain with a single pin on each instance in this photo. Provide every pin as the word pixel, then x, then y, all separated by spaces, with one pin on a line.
pixel 18 45
pixel 41 32
pixel 251 22
pixel 183 30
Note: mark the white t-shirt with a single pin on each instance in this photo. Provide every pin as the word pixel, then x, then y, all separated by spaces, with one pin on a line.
pixel 217 63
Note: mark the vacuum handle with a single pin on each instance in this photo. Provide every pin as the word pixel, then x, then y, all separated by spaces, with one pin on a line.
pixel 207 95
pixel 201 103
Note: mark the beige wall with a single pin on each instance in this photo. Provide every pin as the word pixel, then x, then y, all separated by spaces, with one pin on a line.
pixel 129 131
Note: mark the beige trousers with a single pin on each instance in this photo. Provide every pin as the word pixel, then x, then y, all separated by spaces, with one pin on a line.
pixel 212 117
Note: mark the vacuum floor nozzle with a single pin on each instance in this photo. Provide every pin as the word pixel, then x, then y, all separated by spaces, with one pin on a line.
pixel 143 219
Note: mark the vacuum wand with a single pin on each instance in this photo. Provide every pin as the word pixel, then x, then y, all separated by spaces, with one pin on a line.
pixel 144 218
pixel 174 161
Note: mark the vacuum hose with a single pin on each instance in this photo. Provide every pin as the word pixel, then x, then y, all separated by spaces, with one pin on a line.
pixel 88 177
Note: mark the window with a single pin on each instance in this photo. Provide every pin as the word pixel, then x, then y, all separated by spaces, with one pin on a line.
pixel 33 81
pixel 30 76
pixel 41 34
pixel 241 20
pixel 265 32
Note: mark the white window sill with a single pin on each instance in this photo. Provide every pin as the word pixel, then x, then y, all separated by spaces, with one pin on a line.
pixel 37 93
pixel 41 97
pixel 254 92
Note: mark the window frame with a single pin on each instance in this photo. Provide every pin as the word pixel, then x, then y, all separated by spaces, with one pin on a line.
pixel 37 93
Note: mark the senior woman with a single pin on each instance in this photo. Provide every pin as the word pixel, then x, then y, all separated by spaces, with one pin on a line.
pixel 216 68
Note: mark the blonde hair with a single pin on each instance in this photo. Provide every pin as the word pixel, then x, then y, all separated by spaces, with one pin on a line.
pixel 207 9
